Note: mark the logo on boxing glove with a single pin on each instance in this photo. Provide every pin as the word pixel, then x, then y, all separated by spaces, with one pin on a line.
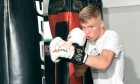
pixel 79 54
pixel 78 57
pixel 62 47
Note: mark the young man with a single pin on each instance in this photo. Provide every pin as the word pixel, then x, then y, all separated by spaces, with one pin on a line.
pixel 104 48
pixel 104 51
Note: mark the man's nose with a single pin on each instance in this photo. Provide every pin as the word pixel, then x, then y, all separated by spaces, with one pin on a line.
pixel 86 31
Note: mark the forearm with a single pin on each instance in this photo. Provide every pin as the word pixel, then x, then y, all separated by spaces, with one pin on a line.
pixel 101 62
pixel 80 69
pixel 97 63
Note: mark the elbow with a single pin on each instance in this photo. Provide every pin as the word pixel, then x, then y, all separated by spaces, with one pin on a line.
pixel 104 67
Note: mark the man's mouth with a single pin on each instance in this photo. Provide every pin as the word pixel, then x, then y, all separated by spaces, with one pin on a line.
pixel 88 37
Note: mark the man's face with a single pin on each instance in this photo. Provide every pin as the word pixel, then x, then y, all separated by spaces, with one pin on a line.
pixel 92 28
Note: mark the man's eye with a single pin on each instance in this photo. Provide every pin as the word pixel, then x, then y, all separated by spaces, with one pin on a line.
pixel 91 26
pixel 83 28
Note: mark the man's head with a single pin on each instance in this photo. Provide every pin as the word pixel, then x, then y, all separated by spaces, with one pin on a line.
pixel 91 22
pixel 89 12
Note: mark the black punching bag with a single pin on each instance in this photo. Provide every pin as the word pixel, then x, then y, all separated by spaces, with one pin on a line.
pixel 4 79
pixel 22 46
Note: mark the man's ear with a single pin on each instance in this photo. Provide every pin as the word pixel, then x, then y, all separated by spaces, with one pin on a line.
pixel 102 24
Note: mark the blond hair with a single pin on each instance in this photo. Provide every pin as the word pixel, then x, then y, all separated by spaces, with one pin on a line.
pixel 89 12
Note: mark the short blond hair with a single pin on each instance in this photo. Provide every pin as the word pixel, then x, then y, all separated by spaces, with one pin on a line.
pixel 89 12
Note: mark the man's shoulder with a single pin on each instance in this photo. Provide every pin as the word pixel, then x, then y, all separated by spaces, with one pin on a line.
pixel 112 33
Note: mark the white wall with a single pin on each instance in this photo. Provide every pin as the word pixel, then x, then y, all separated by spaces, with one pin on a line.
pixel 126 21
pixel 120 3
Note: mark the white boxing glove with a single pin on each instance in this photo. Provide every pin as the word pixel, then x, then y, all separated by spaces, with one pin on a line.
pixel 73 49
pixel 60 49
pixel 76 35
pixel 78 39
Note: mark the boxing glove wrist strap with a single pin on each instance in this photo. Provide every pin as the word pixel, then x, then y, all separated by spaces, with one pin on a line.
pixel 79 56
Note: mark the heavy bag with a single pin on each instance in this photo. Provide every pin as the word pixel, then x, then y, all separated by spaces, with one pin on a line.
pixel 22 38
pixel 4 79
pixel 63 16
